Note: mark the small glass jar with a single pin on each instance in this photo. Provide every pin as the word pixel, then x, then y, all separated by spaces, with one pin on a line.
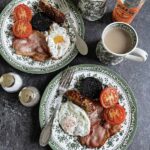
pixel 11 82
pixel 126 10
pixel 29 96
pixel 92 10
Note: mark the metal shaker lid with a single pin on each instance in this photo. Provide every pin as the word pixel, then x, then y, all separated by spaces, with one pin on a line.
pixel 7 80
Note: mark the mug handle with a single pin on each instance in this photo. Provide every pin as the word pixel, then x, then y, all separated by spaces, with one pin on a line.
pixel 139 55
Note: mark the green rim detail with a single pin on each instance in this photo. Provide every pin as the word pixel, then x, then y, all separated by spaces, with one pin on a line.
pixel 91 67
pixel 41 70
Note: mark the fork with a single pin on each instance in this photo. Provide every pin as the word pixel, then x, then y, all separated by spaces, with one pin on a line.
pixel 80 43
pixel 64 84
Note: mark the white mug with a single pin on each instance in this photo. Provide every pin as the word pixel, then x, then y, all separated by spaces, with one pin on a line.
pixel 106 56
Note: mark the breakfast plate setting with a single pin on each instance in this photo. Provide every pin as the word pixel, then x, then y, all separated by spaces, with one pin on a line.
pixel 85 106
pixel 60 138
pixel 33 62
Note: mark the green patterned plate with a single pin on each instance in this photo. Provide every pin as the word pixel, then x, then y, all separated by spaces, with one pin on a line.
pixel 26 64
pixel 62 141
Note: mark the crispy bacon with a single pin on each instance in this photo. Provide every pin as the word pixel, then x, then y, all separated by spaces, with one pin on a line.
pixel 40 57
pixel 101 131
pixel 95 115
pixel 23 47
pixel 97 137
pixel 114 129
pixel 35 46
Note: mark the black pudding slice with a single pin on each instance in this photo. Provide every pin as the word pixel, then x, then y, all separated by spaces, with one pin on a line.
pixel 41 21
pixel 90 87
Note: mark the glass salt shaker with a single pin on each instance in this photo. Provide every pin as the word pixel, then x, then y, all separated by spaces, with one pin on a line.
pixel 92 10
pixel 29 96
pixel 11 82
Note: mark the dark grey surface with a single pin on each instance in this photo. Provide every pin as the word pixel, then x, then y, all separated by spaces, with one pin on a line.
pixel 19 126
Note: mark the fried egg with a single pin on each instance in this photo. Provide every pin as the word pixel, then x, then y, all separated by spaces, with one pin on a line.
pixel 74 119
pixel 58 41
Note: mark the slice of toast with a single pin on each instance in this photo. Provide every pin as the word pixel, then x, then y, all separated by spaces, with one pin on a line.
pixel 55 14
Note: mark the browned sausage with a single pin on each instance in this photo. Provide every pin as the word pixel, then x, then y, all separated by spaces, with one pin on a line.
pixel 52 12
pixel 78 99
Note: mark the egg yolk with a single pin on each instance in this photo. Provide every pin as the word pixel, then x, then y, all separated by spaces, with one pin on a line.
pixel 58 39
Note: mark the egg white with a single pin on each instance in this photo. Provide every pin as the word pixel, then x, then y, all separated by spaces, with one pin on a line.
pixel 59 49
pixel 74 119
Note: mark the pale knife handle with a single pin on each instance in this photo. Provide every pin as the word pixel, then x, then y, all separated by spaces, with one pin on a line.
pixel 80 43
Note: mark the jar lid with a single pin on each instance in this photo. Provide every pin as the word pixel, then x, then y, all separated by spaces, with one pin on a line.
pixel 26 95
pixel 7 80
pixel 29 96
pixel 132 3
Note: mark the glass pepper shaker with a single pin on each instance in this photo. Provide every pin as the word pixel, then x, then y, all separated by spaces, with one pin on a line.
pixel 11 82
pixel 92 10
pixel 29 96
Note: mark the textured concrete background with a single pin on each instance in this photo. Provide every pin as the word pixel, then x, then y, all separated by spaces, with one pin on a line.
pixel 19 126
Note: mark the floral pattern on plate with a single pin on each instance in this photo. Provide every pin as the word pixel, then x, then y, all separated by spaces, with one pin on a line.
pixel 26 64
pixel 61 140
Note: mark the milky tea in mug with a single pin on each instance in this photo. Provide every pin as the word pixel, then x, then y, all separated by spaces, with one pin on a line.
pixel 119 40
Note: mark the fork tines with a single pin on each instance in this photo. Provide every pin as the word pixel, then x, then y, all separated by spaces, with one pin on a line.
pixel 63 4
pixel 66 78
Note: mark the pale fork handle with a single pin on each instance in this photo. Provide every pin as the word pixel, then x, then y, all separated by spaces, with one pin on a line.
pixel 47 130
pixel 138 55
pixel 46 133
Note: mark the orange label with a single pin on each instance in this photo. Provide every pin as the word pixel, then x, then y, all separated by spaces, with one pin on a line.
pixel 122 13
